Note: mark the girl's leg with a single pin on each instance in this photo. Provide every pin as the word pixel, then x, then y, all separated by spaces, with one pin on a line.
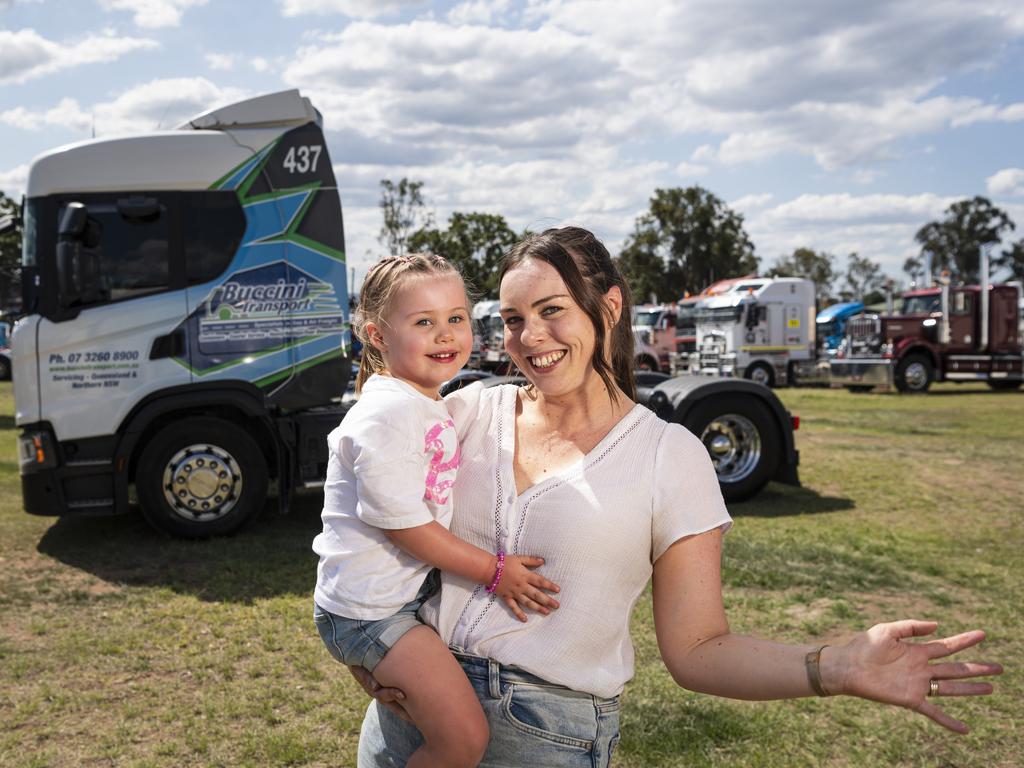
pixel 439 699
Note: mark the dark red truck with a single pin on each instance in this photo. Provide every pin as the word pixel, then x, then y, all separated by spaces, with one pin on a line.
pixel 945 333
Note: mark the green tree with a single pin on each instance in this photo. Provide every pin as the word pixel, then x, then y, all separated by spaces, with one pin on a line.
pixel 955 242
pixel 694 237
pixel 804 262
pixel 1012 260
pixel 864 280
pixel 404 212
pixel 914 267
pixel 10 253
pixel 475 242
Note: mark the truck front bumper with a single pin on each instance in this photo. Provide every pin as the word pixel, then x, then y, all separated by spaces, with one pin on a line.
pixel 861 373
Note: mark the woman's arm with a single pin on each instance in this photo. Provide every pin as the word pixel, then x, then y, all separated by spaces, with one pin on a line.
pixel 519 586
pixel 703 655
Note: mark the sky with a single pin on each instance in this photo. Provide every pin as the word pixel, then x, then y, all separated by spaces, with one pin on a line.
pixel 832 125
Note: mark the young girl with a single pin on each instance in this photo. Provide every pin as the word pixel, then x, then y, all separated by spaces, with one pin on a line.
pixel 387 508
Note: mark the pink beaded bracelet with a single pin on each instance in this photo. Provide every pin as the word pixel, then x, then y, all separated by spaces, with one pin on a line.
pixel 497 572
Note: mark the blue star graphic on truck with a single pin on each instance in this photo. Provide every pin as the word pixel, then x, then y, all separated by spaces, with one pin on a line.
pixel 276 310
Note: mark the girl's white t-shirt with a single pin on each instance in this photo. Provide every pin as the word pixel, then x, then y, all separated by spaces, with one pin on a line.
pixel 599 525
pixel 392 464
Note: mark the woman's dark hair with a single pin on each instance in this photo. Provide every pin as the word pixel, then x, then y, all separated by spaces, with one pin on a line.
pixel 588 271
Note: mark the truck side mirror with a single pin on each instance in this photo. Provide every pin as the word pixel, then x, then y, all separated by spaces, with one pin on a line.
pixel 753 315
pixel 72 221
pixel 77 273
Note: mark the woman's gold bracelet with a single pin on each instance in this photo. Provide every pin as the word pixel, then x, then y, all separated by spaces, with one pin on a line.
pixel 813 662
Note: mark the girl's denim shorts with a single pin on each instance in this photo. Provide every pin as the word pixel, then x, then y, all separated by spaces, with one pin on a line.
pixel 533 723
pixel 360 643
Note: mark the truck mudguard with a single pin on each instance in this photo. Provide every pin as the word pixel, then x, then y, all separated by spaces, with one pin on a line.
pixel 680 394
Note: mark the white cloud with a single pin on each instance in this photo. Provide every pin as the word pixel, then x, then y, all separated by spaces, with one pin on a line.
pixel 14 181
pixel 356 9
pixel 479 11
pixel 748 202
pixel 146 107
pixel 221 61
pixel 66 114
pixel 432 84
pixel 1008 182
pixel 691 170
pixel 879 227
pixel 153 14
pixel 25 55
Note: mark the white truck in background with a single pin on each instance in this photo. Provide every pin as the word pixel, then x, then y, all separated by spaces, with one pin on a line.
pixel 762 329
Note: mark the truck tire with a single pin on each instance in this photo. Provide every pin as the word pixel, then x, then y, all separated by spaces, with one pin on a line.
pixel 1002 385
pixel 201 477
pixel 760 373
pixel 914 373
pixel 742 438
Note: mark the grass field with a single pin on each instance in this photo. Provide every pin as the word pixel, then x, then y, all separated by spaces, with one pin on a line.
pixel 119 647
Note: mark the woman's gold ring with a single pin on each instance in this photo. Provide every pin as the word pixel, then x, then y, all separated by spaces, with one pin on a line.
pixel 933 687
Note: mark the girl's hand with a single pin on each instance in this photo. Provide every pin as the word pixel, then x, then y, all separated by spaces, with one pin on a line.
pixel 880 665
pixel 389 697
pixel 520 587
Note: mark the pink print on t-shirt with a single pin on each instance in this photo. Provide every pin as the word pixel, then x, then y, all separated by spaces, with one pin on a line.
pixel 437 491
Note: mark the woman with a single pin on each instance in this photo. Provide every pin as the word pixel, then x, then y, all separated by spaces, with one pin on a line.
pixel 572 470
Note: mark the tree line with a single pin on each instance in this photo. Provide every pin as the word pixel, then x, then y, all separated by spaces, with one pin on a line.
pixel 686 240
pixel 689 238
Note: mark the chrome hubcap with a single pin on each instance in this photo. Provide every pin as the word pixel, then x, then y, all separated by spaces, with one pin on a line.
pixel 916 375
pixel 760 375
pixel 202 482
pixel 735 446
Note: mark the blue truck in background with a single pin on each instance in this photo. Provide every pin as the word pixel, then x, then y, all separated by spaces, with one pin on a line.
pixel 831 326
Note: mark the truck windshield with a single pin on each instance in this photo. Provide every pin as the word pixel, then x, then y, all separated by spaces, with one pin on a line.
pixel 30 232
pixel 913 305
pixel 718 314
pixel 649 319
pixel 686 317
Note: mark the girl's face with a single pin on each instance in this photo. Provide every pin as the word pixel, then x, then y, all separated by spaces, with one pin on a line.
pixel 547 334
pixel 426 336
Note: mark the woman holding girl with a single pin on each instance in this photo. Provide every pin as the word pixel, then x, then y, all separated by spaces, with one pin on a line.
pixel 571 469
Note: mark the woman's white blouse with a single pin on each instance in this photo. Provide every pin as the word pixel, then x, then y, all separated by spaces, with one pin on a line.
pixel 599 526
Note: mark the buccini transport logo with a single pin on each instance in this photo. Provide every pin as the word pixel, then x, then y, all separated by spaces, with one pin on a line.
pixel 271 303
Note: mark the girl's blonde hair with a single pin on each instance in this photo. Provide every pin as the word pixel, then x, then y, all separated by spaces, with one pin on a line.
pixel 379 288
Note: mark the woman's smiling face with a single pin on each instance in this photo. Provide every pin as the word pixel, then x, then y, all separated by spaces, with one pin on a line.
pixel 547 335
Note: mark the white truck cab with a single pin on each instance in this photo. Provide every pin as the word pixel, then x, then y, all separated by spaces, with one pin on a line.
pixel 760 328
pixel 185 327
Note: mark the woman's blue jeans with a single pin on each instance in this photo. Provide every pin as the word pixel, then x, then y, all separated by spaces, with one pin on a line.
pixel 533 723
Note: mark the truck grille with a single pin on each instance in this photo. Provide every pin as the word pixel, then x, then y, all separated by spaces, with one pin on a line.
pixel 863 326
pixel 711 350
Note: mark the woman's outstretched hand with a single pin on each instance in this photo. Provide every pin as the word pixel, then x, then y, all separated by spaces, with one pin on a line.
pixel 522 587
pixel 882 665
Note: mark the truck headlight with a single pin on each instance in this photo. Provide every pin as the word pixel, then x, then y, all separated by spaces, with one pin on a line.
pixel 36 450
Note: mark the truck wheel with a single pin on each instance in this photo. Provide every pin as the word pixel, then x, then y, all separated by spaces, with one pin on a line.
pixel 1002 385
pixel 760 373
pixel 646 363
pixel 914 373
pixel 200 477
pixel 743 440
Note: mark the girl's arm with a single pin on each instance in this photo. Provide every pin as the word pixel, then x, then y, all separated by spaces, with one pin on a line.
pixel 519 586
pixel 703 655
